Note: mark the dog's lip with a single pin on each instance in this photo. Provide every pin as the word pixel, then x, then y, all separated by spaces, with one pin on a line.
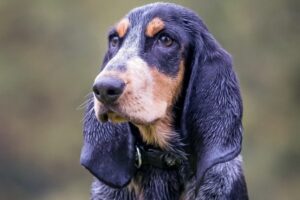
pixel 103 117
pixel 109 114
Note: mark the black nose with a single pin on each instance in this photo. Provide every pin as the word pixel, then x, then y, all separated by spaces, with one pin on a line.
pixel 108 89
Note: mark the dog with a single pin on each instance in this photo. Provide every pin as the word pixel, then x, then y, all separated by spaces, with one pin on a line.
pixel 164 120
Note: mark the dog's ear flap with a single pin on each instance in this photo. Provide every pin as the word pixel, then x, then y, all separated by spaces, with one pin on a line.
pixel 108 150
pixel 212 112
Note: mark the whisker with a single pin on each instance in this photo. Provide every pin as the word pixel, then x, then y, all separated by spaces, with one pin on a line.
pixel 88 100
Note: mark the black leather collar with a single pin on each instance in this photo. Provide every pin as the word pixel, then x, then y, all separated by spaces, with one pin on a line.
pixel 156 157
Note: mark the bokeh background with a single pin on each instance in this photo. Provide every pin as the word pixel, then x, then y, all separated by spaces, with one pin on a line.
pixel 50 51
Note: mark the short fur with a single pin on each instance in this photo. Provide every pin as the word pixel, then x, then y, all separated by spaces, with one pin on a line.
pixel 181 97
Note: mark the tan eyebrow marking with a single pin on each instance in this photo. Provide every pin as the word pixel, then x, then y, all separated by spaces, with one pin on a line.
pixel 122 27
pixel 154 26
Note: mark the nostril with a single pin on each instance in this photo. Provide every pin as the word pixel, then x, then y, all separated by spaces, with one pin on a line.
pixel 112 92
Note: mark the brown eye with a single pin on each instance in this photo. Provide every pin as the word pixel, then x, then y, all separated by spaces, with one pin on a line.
pixel 166 40
pixel 114 41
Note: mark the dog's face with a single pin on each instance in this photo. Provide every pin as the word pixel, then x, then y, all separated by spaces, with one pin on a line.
pixel 143 69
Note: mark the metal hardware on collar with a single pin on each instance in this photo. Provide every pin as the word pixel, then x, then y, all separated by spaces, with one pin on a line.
pixel 169 160
pixel 138 158
pixel 156 158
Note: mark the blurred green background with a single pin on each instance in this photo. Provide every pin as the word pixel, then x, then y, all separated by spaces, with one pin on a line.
pixel 49 55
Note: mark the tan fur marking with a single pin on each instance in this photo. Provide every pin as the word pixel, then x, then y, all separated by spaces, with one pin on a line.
pixel 135 186
pixel 165 89
pixel 122 27
pixel 158 133
pixel 154 26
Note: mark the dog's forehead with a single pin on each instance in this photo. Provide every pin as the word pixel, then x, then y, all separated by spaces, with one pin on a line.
pixel 156 9
pixel 139 18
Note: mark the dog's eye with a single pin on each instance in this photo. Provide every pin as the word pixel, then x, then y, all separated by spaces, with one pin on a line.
pixel 114 41
pixel 165 40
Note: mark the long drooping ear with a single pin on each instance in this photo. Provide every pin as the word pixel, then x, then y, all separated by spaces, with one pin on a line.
pixel 212 110
pixel 108 150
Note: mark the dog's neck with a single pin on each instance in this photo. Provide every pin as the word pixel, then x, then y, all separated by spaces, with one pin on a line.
pixel 159 133
pixel 163 137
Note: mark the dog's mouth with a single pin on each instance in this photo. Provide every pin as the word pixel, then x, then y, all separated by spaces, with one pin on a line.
pixel 109 113
pixel 115 114
pixel 111 116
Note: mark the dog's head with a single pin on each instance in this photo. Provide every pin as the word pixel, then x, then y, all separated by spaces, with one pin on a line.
pixel 142 71
pixel 163 71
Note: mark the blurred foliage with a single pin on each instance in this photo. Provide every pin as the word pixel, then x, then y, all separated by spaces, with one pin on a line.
pixel 49 55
